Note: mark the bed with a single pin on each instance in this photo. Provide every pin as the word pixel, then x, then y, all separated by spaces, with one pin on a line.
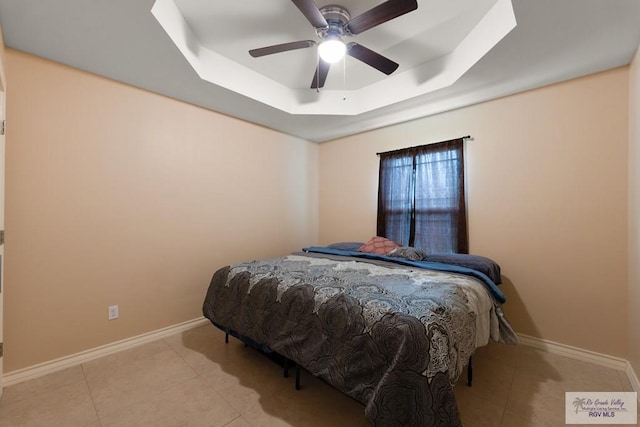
pixel 392 332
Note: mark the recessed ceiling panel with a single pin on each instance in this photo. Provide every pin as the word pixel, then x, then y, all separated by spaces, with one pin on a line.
pixel 434 45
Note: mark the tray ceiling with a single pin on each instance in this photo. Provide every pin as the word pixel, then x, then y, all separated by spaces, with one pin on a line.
pixel 434 45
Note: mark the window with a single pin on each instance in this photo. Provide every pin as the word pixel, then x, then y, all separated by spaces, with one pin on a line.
pixel 421 197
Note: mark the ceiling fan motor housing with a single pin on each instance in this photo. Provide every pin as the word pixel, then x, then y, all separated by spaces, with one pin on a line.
pixel 337 17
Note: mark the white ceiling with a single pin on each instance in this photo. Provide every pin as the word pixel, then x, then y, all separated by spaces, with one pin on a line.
pixel 554 40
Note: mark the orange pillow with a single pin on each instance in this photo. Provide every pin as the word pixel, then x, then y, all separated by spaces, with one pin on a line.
pixel 379 245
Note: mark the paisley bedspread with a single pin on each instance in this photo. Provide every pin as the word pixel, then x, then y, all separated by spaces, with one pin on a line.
pixel 395 339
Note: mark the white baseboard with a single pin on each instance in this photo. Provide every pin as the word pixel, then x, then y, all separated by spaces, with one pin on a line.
pixel 575 352
pixel 41 369
pixel 585 356
pixel 52 366
pixel 633 379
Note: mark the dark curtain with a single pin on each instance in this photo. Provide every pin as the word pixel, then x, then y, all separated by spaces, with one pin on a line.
pixel 421 197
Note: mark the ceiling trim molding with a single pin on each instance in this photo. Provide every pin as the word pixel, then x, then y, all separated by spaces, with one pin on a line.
pixel 428 77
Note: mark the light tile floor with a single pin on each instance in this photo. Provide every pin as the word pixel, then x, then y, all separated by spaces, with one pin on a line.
pixel 195 379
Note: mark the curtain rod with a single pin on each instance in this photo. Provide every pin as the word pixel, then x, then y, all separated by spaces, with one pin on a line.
pixel 463 138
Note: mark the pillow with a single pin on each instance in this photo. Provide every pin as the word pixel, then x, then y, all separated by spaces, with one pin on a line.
pixel 476 262
pixel 346 246
pixel 379 245
pixel 408 252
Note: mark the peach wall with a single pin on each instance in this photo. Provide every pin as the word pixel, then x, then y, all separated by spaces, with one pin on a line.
pixel 2 61
pixel 634 214
pixel 119 196
pixel 547 199
pixel 2 145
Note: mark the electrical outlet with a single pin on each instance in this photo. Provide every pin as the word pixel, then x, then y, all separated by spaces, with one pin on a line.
pixel 113 312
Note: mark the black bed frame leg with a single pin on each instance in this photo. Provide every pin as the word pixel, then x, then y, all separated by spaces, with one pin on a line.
pixel 470 371
pixel 297 377
pixel 226 337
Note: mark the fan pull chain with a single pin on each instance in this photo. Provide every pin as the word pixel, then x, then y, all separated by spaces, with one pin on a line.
pixel 344 78
pixel 344 73
pixel 317 71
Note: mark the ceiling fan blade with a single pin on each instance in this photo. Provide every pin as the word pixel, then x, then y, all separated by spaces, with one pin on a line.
pixel 320 75
pixel 277 48
pixel 382 13
pixel 311 12
pixel 371 58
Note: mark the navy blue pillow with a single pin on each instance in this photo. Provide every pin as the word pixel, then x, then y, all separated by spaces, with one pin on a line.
pixel 482 264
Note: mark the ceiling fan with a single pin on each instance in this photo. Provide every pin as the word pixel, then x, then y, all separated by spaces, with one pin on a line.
pixel 334 22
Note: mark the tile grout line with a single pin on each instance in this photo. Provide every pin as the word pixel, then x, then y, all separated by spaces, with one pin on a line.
pixel 195 371
pixel 208 384
pixel 235 419
pixel 93 402
pixel 513 379
pixel 152 393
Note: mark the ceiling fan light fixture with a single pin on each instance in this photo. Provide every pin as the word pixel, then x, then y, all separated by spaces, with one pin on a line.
pixel 332 50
